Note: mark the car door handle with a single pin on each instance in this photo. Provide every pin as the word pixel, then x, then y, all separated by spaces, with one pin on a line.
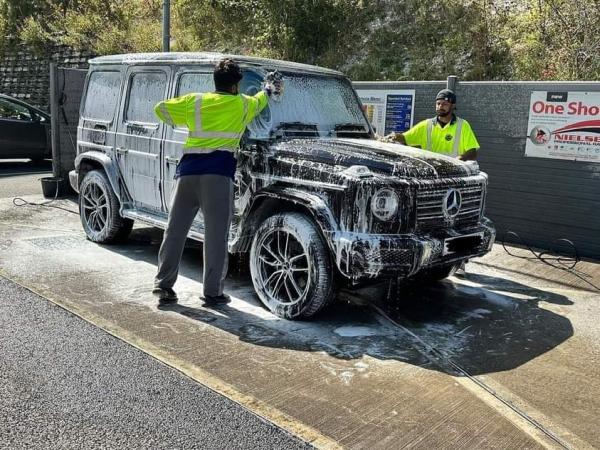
pixel 171 160
pixel 122 150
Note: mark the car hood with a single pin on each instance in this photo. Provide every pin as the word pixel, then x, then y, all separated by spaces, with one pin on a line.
pixel 379 157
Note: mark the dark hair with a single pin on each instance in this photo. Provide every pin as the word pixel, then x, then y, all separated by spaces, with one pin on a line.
pixel 227 74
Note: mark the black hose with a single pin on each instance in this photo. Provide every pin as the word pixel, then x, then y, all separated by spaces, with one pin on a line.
pixel 562 261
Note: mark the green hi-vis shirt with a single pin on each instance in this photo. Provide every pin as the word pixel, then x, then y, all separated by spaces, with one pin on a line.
pixel 215 121
pixel 452 140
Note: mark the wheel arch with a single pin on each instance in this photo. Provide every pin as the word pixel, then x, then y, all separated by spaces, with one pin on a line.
pixel 93 160
pixel 271 201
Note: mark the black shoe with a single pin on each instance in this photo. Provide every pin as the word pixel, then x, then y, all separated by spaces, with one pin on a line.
pixel 211 300
pixel 165 296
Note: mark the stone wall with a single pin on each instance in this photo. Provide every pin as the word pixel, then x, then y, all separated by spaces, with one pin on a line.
pixel 25 74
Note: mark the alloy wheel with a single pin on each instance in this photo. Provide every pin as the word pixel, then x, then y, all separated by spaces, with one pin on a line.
pixel 95 208
pixel 284 267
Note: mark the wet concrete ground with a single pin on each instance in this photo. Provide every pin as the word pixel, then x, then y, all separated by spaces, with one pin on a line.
pixel 505 358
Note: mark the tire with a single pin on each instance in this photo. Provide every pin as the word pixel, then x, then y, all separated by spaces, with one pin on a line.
pixel 291 266
pixel 435 273
pixel 99 210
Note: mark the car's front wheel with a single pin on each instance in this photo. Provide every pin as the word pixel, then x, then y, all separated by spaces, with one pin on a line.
pixel 99 210
pixel 291 266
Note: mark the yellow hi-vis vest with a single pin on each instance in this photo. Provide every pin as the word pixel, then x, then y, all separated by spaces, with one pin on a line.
pixel 454 139
pixel 215 121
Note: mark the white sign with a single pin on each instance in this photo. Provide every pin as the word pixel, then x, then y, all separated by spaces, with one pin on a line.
pixel 388 111
pixel 564 125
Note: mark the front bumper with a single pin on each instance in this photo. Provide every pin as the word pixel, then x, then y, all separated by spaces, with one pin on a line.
pixel 362 257
pixel 74 180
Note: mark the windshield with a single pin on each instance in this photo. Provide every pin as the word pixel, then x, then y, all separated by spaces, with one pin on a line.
pixel 325 104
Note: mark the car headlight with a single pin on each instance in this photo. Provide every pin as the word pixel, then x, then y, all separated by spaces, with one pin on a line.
pixel 384 204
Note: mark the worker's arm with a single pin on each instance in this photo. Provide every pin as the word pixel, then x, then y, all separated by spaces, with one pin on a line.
pixel 272 87
pixel 173 111
pixel 397 137
pixel 256 104
pixel 469 155
pixel 416 136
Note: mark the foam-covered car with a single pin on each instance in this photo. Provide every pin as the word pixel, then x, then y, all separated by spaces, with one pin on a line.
pixel 319 201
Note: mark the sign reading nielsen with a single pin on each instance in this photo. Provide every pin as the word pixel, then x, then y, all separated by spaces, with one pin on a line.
pixel 564 125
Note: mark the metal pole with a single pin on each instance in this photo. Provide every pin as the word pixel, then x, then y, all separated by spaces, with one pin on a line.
pixel 451 82
pixel 166 26
pixel 55 122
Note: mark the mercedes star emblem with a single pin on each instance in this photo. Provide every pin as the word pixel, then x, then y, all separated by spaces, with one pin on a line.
pixel 451 203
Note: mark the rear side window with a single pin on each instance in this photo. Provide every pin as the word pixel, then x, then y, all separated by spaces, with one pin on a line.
pixel 10 110
pixel 147 89
pixel 195 82
pixel 102 95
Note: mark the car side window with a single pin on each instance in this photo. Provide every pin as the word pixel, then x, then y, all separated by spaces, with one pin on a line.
pixel 145 91
pixel 10 110
pixel 195 82
pixel 102 95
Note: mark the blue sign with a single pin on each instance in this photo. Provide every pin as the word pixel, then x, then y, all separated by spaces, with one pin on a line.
pixel 398 112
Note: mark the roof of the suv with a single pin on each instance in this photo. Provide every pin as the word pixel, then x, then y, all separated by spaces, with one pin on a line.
pixel 208 57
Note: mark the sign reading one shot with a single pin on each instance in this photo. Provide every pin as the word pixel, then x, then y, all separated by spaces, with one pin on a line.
pixel 564 125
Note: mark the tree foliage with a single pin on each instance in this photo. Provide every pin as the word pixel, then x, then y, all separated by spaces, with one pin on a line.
pixel 369 39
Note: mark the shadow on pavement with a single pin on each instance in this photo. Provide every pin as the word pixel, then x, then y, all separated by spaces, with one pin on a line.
pixel 16 167
pixel 485 323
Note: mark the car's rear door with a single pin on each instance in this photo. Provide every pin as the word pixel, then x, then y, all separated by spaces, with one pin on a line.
pixel 139 135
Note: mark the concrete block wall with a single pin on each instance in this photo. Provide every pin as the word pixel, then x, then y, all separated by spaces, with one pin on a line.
pixel 540 199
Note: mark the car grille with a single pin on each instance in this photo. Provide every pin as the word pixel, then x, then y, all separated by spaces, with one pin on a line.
pixel 430 212
pixel 391 257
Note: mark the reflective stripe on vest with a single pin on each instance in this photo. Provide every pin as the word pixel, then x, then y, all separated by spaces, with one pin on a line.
pixel 456 144
pixel 198 133
pixel 245 102
pixel 429 131
pixel 165 112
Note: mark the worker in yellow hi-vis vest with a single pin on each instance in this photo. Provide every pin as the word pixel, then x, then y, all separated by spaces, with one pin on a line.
pixel 216 122
pixel 445 133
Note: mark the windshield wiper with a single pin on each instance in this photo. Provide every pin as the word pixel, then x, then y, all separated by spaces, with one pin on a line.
pixel 299 129
pixel 351 129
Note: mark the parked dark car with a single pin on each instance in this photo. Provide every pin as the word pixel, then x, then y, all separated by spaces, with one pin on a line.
pixel 319 201
pixel 24 130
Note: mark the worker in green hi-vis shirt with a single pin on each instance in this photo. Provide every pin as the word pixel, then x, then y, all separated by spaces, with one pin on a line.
pixel 445 133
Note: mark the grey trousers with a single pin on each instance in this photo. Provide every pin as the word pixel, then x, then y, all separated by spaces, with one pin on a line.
pixel 213 194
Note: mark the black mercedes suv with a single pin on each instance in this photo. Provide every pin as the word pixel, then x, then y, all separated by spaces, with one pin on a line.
pixel 319 201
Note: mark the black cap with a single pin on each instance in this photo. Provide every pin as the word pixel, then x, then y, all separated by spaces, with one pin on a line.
pixel 446 94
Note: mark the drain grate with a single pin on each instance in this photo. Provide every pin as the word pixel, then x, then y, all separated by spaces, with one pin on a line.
pixel 58 242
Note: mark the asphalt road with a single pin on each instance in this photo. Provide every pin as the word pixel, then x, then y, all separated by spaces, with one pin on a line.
pixel 67 384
